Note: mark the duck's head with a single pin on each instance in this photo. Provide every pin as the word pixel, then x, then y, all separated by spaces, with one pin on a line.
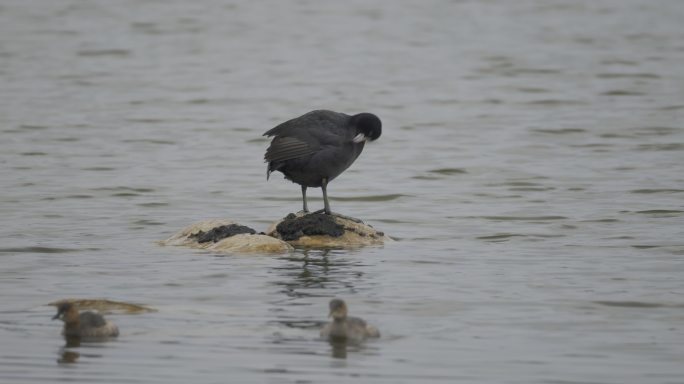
pixel 66 312
pixel 368 127
pixel 338 309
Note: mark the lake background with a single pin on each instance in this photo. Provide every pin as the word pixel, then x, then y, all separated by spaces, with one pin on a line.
pixel 531 169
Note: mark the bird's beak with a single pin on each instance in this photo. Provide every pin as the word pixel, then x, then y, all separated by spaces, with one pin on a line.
pixel 359 138
pixel 55 317
pixel 330 313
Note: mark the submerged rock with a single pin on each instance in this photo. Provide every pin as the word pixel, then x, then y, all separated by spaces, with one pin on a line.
pixel 319 230
pixel 225 236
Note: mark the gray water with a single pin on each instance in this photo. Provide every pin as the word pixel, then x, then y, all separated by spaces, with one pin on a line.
pixel 531 169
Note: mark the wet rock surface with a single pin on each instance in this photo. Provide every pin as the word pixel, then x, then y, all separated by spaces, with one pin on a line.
pixel 224 235
pixel 325 231
pixel 216 234
pixel 294 227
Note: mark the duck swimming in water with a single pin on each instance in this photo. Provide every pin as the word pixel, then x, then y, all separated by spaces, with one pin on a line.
pixel 85 324
pixel 313 149
pixel 346 328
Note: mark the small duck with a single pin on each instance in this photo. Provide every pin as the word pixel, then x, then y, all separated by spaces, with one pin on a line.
pixel 86 324
pixel 346 328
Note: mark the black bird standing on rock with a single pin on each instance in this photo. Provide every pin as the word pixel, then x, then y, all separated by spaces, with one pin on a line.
pixel 313 149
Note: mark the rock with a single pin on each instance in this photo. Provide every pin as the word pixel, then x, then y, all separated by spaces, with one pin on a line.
pixel 213 232
pixel 251 243
pixel 293 227
pixel 322 231
pixel 311 230
pixel 217 234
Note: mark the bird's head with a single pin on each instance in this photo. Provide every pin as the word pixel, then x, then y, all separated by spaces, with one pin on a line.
pixel 338 309
pixel 66 312
pixel 368 127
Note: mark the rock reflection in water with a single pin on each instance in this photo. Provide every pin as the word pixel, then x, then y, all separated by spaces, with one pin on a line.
pixel 318 272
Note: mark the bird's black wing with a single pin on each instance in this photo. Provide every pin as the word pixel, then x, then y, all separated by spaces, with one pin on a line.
pixel 307 122
pixel 285 148
pixel 304 135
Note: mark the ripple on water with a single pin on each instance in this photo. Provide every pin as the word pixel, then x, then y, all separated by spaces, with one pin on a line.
pixel 79 196
pixel 560 131
pixel 37 249
pixel 555 102
pixel 124 189
pixel 500 237
pixel 657 190
pixel 103 52
pixel 657 131
pixel 504 236
pixel 621 92
pixel 622 75
pixel 522 218
pixel 660 213
pixel 153 204
pixel 448 171
pixel 371 198
pixel 661 147
pixel 523 186
pixel 150 141
pixel 425 177
pixel 145 222
pixel 31 127
pixel 671 108
pixel 98 169
pixel 637 304
pixel 532 90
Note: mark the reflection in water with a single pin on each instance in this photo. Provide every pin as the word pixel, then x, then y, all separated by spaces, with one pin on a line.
pixel 318 269
pixel 72 341
pixel 339 349
pixel 316 273
pixel 67 356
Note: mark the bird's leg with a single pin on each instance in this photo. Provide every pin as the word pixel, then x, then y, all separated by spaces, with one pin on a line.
pixel 306 209
pixel 324 185
pixel 327 210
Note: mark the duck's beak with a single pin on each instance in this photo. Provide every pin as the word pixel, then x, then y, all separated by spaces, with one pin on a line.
pixel 55 317
pixel 359 138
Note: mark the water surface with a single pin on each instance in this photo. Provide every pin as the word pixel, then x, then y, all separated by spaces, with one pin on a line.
pixel 530 168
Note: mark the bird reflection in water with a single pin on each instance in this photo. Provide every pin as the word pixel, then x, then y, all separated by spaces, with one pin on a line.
pixel 339 349
pixel 67 356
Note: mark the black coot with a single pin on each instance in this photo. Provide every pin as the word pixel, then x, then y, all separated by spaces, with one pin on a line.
pixel 316 147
